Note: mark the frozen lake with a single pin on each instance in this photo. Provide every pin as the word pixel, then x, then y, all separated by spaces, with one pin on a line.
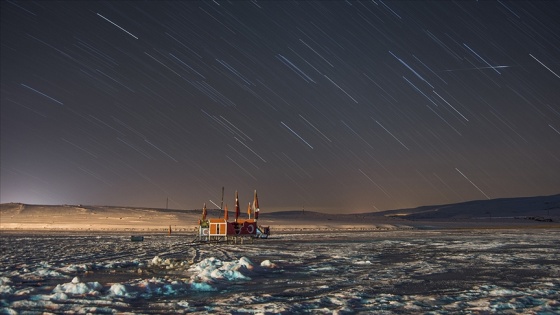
pixel 393 272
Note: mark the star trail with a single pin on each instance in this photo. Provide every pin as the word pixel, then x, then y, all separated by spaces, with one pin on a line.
pixel 335 106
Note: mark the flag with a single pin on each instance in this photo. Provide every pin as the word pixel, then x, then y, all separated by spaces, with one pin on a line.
pixel 256 205
pixel 204 212
pixel 236 206
pixel 249 210
pixel 255 201
pixel 226 213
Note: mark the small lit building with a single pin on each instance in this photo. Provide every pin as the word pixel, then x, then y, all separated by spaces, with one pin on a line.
pixel 220 229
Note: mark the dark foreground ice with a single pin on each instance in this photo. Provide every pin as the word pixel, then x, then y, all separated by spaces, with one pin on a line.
pixel 394 272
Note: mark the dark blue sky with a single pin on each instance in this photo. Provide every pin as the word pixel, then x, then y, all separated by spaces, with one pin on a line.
pixel 329 105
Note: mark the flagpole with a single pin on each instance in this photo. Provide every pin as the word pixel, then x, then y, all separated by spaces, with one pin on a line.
pixel 249 210
pixel 236 206
pixel 222 203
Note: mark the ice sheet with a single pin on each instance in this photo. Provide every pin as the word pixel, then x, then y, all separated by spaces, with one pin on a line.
pixel 385 272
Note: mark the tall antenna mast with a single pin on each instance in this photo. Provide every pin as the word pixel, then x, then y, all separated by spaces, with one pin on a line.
pixel 222 203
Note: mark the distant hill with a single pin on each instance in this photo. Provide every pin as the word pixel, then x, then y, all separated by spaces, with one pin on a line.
pixel 511 212
pixel 536 207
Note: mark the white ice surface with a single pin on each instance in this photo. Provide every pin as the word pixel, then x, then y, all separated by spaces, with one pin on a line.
pixel 382 273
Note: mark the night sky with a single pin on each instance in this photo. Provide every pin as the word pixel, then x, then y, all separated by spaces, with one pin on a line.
pixel 335 106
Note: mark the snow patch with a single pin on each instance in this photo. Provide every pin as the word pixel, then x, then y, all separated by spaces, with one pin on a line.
pixel 76 287
pixel 202 286
pixel 268 264
pixel 362 262
pixel 119 289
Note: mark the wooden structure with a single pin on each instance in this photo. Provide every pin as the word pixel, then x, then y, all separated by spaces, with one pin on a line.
pixel 222 230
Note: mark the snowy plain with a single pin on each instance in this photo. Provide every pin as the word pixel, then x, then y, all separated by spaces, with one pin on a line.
pixel 391 272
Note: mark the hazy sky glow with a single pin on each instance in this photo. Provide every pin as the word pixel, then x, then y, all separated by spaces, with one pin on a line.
pixel 335 106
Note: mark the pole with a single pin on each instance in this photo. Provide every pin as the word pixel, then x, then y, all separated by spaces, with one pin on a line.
pixel 222 203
